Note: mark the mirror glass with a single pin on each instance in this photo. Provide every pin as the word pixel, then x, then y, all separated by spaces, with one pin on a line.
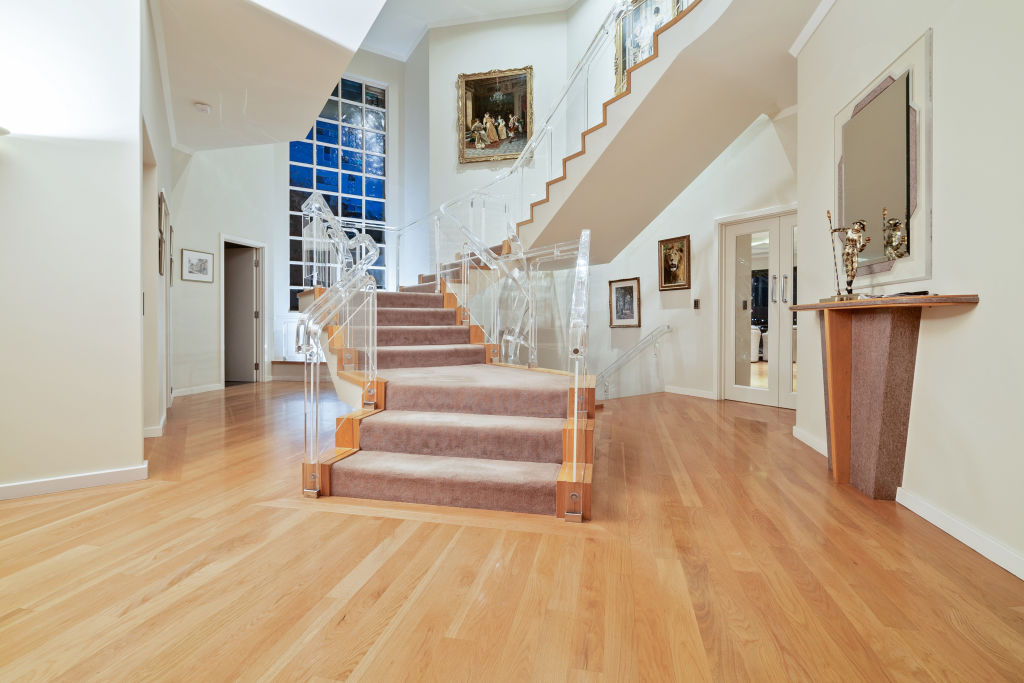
pixel 876 165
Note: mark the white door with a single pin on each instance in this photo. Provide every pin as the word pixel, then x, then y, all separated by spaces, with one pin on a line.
pixel 240 321
pixel 759 284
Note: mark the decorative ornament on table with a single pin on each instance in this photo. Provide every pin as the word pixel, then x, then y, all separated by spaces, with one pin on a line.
pixel 854 241
pixel 895 236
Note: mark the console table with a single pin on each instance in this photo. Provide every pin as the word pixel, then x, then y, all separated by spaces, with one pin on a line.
pixel 869 349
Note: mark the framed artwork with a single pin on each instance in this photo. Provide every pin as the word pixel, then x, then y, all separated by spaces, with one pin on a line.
pixel 163 220
pixel 196 265
pixel 495 114
pixel 624 303
pixel 674 263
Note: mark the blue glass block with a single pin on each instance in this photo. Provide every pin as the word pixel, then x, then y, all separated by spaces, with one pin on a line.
pixel 351 137
pixel 378 275
pixel 330 110
pixel 301 152
pixel 351 90
pixel 327 156
pixel 375 235
pixel 374 210
pixel 374 164
pixel 375 142
pixel 375 188
pixel 309 135
pixel 296 198
pixel 351 161
pixel 351 207
pixel 334 93
pixel 351 114
pixel 351 184
pixel 375 96
pixel 327 132
pixel 375 119
pixel 326 180
pixel 300 176
pixel 380 257
pixel 332 202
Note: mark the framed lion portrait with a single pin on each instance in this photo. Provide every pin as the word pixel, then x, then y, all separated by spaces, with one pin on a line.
pixel 674 263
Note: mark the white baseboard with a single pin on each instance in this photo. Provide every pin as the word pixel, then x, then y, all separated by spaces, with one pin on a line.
pixel 1006 557
pixel 155 430
pixel 685 391
pixel 199 389
pixel 816 442
pixel 36 487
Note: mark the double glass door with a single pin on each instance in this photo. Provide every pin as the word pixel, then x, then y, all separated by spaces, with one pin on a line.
pixel 760 286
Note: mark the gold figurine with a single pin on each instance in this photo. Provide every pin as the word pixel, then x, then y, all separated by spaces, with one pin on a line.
pixel 895 237
pixel 854 241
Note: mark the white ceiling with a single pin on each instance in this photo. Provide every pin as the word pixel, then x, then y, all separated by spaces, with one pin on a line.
pixel 263 72
pixel 402 23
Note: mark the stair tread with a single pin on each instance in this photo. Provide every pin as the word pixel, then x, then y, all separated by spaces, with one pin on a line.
pixel 432 348
pixel 417 465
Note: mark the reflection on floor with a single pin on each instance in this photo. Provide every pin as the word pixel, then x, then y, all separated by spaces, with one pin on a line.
pixel 759 375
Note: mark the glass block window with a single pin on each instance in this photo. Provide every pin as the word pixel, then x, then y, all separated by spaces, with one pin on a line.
pixel 344 157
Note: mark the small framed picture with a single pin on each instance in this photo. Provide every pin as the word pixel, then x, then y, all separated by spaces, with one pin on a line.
pixel 624 303
pixel 196 265
pixel 674 263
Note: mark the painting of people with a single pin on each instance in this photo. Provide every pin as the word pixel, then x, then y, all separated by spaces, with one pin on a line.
pixel 495 114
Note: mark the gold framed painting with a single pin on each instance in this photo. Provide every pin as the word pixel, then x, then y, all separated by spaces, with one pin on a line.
pixel 674 263
pixel 624 302
pixel 495 114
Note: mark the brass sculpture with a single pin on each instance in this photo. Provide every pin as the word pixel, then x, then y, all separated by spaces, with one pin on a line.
pixel 854 241
pixel 895 236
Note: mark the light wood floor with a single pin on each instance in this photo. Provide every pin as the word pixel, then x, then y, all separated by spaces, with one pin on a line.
pixel 719 551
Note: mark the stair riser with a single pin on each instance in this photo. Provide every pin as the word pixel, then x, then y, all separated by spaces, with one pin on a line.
pixel 528 445
pixel 409 300
pixel 532 498
pixel 427 357
pixel 402 336
pixel 483 401
pixel 416 316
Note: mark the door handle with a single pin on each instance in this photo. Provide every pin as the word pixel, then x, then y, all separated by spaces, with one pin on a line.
pixel 785 279
pixel 771 289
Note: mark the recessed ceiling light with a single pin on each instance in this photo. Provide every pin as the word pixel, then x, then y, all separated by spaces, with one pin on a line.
pixel 202 107
pixel 4 131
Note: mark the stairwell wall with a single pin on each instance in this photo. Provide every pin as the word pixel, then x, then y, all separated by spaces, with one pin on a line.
pixel 963 465
pixel 754 172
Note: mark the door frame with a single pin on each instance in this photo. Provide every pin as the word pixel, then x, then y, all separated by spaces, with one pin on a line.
pixel 261 325
pixel 721 224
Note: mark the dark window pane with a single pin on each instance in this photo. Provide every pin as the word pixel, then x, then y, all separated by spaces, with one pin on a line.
pixel 295 276
pixel 330 110
pixel 352 114
pixel 376 235
pixel 326 180
pixel 295 200
pixel 351 161
pixel 295 225
pixel 332 203
pixel 293 300
pixel 351 137
pixel 380 258
pixel 351 183
pixel 327 132
pixel 375 96
pixel 375 142
pixel 294 250
pixel 301 152
pixel 375 188
pixel 327 156
pixel 375 119
pixel 351 207
pixel 309 135
pixel 378 275
pixel 334 93
pixel 351 90
pixel 374 211
pixel 300 176
pixel 374 164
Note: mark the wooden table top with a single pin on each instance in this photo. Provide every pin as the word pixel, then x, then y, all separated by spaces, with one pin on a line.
pixel 893 302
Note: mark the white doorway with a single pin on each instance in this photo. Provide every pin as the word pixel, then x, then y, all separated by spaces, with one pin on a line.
pixel 759 284
pixel 243 318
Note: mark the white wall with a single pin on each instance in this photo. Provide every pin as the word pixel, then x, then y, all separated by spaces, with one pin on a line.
pixel 71 368
pixel 416 161
pixel 753 173
pixel 963 462
pixel 239 192
pixel 537 40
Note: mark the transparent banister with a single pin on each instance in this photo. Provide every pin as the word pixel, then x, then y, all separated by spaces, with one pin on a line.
pixel 649 342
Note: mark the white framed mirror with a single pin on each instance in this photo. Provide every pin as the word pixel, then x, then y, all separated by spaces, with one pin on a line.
pixel 883 161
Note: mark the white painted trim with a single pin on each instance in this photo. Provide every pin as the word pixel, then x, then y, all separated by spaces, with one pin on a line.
pixel 818 443
pixel 36 487
pixel 757 214
pixel 811 26
pixel 997 551
pixel 686 391
pixel 202 388
pixel 156 430
pixel 261 299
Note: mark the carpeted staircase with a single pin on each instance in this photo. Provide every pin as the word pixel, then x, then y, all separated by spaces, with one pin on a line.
pixel 456 431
